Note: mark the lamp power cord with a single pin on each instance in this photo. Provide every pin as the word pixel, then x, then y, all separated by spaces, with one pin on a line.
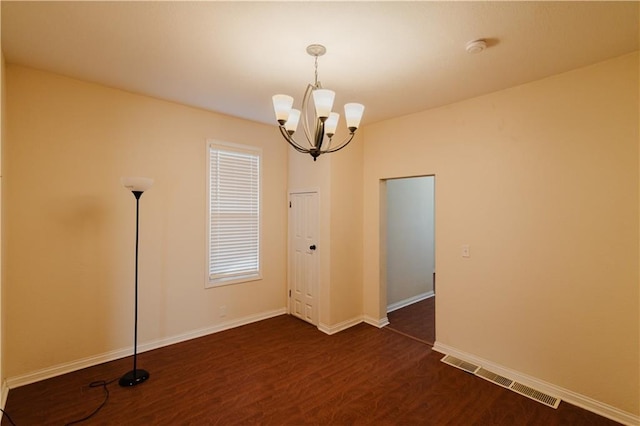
pixel 5 414
pixel 98 383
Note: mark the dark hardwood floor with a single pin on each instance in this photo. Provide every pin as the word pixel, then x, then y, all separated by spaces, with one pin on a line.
pixel 416 320
pixel 282 371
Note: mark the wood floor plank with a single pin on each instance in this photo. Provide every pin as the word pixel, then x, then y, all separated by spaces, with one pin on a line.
pixel 282 371
pixel 417 320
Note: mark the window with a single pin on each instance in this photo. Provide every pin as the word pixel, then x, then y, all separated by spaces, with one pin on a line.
pixel 234 213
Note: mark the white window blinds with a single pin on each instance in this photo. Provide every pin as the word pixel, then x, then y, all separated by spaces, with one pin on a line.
pixel 234 214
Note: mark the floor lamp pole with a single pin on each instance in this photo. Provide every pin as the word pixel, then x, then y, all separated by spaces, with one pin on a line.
pixel 135 376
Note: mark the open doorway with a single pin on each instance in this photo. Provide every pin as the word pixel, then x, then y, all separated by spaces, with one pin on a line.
pixel 410 256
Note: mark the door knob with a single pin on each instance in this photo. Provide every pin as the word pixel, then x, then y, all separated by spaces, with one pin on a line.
pixel 312 247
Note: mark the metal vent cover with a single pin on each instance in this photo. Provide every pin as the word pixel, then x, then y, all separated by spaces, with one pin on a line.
pixel 461 364
pixel 536 395
pixel 494 378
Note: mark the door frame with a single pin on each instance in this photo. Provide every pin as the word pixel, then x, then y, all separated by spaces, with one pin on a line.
pixel 383 239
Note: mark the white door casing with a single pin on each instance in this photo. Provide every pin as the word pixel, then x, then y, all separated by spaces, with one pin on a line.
pixel 303 256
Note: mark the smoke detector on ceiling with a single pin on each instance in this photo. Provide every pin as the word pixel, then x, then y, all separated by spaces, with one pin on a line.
pixel 476 46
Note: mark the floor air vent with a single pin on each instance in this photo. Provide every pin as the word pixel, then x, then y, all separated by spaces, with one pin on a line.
pixel 494 378
pixel 535 395
pixel 458 363
pixel 543 398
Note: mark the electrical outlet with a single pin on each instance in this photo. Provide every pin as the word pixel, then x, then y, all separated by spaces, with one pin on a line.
pixel 223 311
pixel 466 251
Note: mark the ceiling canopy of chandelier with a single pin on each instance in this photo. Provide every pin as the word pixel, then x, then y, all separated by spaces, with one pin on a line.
pixel 326 121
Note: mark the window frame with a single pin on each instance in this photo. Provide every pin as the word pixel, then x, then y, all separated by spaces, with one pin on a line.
pixel 242 149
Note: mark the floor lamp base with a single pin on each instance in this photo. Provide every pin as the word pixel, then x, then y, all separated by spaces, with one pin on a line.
pixel 134 377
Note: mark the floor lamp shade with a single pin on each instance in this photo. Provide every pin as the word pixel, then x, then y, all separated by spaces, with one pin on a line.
pixel 137 185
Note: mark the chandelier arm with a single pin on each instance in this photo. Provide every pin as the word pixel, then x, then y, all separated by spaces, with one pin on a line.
pixel 319 136
pixel 305 113
pixel 292 141
pixel 344 143
pixel 300 150
pixel 329 142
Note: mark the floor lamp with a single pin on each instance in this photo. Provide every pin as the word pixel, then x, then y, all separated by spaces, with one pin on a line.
pixel 137 185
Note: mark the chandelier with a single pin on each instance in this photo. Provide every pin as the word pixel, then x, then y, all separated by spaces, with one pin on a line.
pixel 320 138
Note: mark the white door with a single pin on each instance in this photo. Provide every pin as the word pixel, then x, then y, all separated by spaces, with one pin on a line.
pixel 303 256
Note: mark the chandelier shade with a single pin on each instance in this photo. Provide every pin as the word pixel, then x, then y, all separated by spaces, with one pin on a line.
pixel 331 124
pixel 317 104
pixel 282 105
pixel 292 122
pixel 353 115
pixel 323 100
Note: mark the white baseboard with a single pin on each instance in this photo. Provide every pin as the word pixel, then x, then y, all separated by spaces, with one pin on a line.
pixel 333 329
pixel 68 367
pixel 410 301
pixel 4 394
pixel 566 395
pixel 382 322
pixel 4 391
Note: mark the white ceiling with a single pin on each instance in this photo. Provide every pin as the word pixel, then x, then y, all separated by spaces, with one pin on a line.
pixel 395 57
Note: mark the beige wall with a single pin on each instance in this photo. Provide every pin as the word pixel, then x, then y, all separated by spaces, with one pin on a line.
pixel 70 226
pixel 346 233
pixel 338 179
pixel 541 180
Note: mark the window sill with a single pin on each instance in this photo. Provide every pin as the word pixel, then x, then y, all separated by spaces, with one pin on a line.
pixel 221 282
